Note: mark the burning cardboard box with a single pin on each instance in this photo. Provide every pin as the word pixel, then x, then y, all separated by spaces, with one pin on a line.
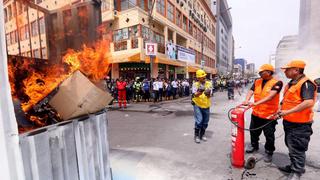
pixel 78 96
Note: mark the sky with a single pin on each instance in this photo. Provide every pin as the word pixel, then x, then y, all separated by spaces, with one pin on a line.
pixel 259 25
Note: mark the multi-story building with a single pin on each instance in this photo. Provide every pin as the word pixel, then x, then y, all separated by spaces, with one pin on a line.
pixel 224 36
pixel 242 62
pixel 286 50
pixel 250 69
pixel 272 60
pixel 184 31
pixel 46 29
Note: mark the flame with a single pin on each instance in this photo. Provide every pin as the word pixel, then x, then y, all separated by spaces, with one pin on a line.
pixel 41 81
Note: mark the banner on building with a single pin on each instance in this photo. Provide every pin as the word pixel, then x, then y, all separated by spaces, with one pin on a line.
pixel 185 54
pixel 171 50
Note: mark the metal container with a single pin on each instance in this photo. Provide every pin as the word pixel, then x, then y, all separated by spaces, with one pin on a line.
pixel 72 150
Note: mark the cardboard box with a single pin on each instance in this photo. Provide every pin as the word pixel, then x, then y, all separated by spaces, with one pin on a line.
pixel 77 96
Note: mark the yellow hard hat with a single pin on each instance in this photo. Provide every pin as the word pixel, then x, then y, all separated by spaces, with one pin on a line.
pixel 200 73
pixel 266 67
pixel 295 64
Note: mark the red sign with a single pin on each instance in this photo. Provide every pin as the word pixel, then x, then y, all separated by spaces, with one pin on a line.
pixel 151 49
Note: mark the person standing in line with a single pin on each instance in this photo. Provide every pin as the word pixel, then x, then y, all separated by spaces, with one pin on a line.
pixel 121 87
pixel 297 113
pixel 160 86
pixel 155 88
pixel 201 101
pixel 174 85
pixel 266 92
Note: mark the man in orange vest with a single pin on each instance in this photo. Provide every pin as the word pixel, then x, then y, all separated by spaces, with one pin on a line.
pixel 296 109
pixel 266 92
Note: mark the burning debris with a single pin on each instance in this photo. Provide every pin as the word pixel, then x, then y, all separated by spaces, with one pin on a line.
pixel 34 81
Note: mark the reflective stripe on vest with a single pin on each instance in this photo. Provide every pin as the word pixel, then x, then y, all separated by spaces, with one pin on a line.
pixel 292 98
pixel 270 107
pixel 203 101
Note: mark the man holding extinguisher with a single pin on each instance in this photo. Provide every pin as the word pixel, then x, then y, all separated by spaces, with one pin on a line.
pixel 266 103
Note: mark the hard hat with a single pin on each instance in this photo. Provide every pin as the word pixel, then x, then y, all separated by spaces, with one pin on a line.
pixel 266 67
pixel 200 73
pixel 295 64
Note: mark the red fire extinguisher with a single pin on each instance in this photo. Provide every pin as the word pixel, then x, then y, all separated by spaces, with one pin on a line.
pixel 237 135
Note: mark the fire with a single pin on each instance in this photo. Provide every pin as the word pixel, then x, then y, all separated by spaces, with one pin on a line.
pixel 38 80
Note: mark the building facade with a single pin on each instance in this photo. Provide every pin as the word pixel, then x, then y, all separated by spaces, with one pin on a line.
pixel 225 43
pixel 184 32
pixel 250 70
pixel 46 29
pixel 243 63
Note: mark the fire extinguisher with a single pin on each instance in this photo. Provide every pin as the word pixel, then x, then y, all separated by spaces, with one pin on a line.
pixel 236 115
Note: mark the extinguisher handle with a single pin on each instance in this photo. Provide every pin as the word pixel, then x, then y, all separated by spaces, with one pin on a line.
pixel 245 107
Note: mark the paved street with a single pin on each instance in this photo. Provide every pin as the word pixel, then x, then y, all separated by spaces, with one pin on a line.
pixel 155 142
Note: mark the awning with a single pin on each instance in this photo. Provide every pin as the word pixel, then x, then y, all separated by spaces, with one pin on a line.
pixel 193 67
pixel 126 58
pixel 210 70
pixel 166 61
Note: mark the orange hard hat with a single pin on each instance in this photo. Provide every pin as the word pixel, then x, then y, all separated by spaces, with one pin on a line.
pixel 266 67
pixel 295 64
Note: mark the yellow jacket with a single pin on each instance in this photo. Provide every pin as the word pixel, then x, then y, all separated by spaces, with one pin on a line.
pixel 202 101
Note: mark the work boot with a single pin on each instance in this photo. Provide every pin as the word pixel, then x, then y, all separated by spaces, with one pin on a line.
pixel 294 176
pixel 267 158
pixel 286 169
pixel 251 149
pixel 196 135
pixel 202 135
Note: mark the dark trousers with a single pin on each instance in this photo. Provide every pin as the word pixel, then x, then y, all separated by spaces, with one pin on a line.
pixel 297 137
pixel 156 96
pixel 268 132
pixel 160 93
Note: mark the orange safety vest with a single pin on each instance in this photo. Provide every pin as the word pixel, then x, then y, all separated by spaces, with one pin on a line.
pixel 291 98
pixel 270 107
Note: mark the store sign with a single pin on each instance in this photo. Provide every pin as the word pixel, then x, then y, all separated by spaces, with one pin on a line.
pixel 151 49
pixel 186 55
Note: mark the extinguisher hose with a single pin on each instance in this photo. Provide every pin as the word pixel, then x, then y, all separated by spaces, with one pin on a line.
pixel 248 129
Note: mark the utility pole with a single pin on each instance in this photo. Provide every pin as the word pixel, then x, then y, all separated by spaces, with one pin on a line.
pixel 149 23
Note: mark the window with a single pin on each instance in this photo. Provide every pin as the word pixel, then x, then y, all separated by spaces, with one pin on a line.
pixel 5 15
pixel 127 4
pixel 121 34
pixel 190 28
pixel 42 25
pixel 161 6
pixel 170 12
pixel 119 46
pixel 44 53
pixel 184 23
pixel 19 5
pixel 34 28
pixel 36 53
pixel 178 18
pixel 83 19
pixel 134 32
pixel 14 10
pixel 9 13
pixel 8 39
pixel 26 31
pixel 105 5
pixel 39 1
pixel 22 35
pixel 150 4
pixel 141 4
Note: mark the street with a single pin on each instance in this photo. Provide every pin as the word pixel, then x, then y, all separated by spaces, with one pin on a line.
pixel 149 142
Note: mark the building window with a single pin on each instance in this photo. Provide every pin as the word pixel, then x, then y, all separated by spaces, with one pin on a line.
pixel 36 53
pixel 147 34
pixel 141 4
pixel 19 5
pixel 105 5
pixel 42 25
pixel 83 20
pixel 161 7
pixel 127 4
pixel 34 28
pixel 14 10
pixel 9 13
pixel 39 1
pixel 44 52
pixel 134 43
pixel 5 15
pixel 184 23
pixel 134 31
pixel 119 46
pixel 178 18
pixel 195 31
pixel 121 34
pixel 26 31
pixel 190 28
pixel 8 39
pixel 22 37
pixel 170 12
pixel 150 2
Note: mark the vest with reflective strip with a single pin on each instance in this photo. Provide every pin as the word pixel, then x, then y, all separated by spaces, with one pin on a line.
pixel 203 101
pixel 291 98
pixel 270 107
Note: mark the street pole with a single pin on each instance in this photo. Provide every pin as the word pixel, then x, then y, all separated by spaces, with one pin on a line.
pixel 202 60
pixel 149 23
pixel 151 67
